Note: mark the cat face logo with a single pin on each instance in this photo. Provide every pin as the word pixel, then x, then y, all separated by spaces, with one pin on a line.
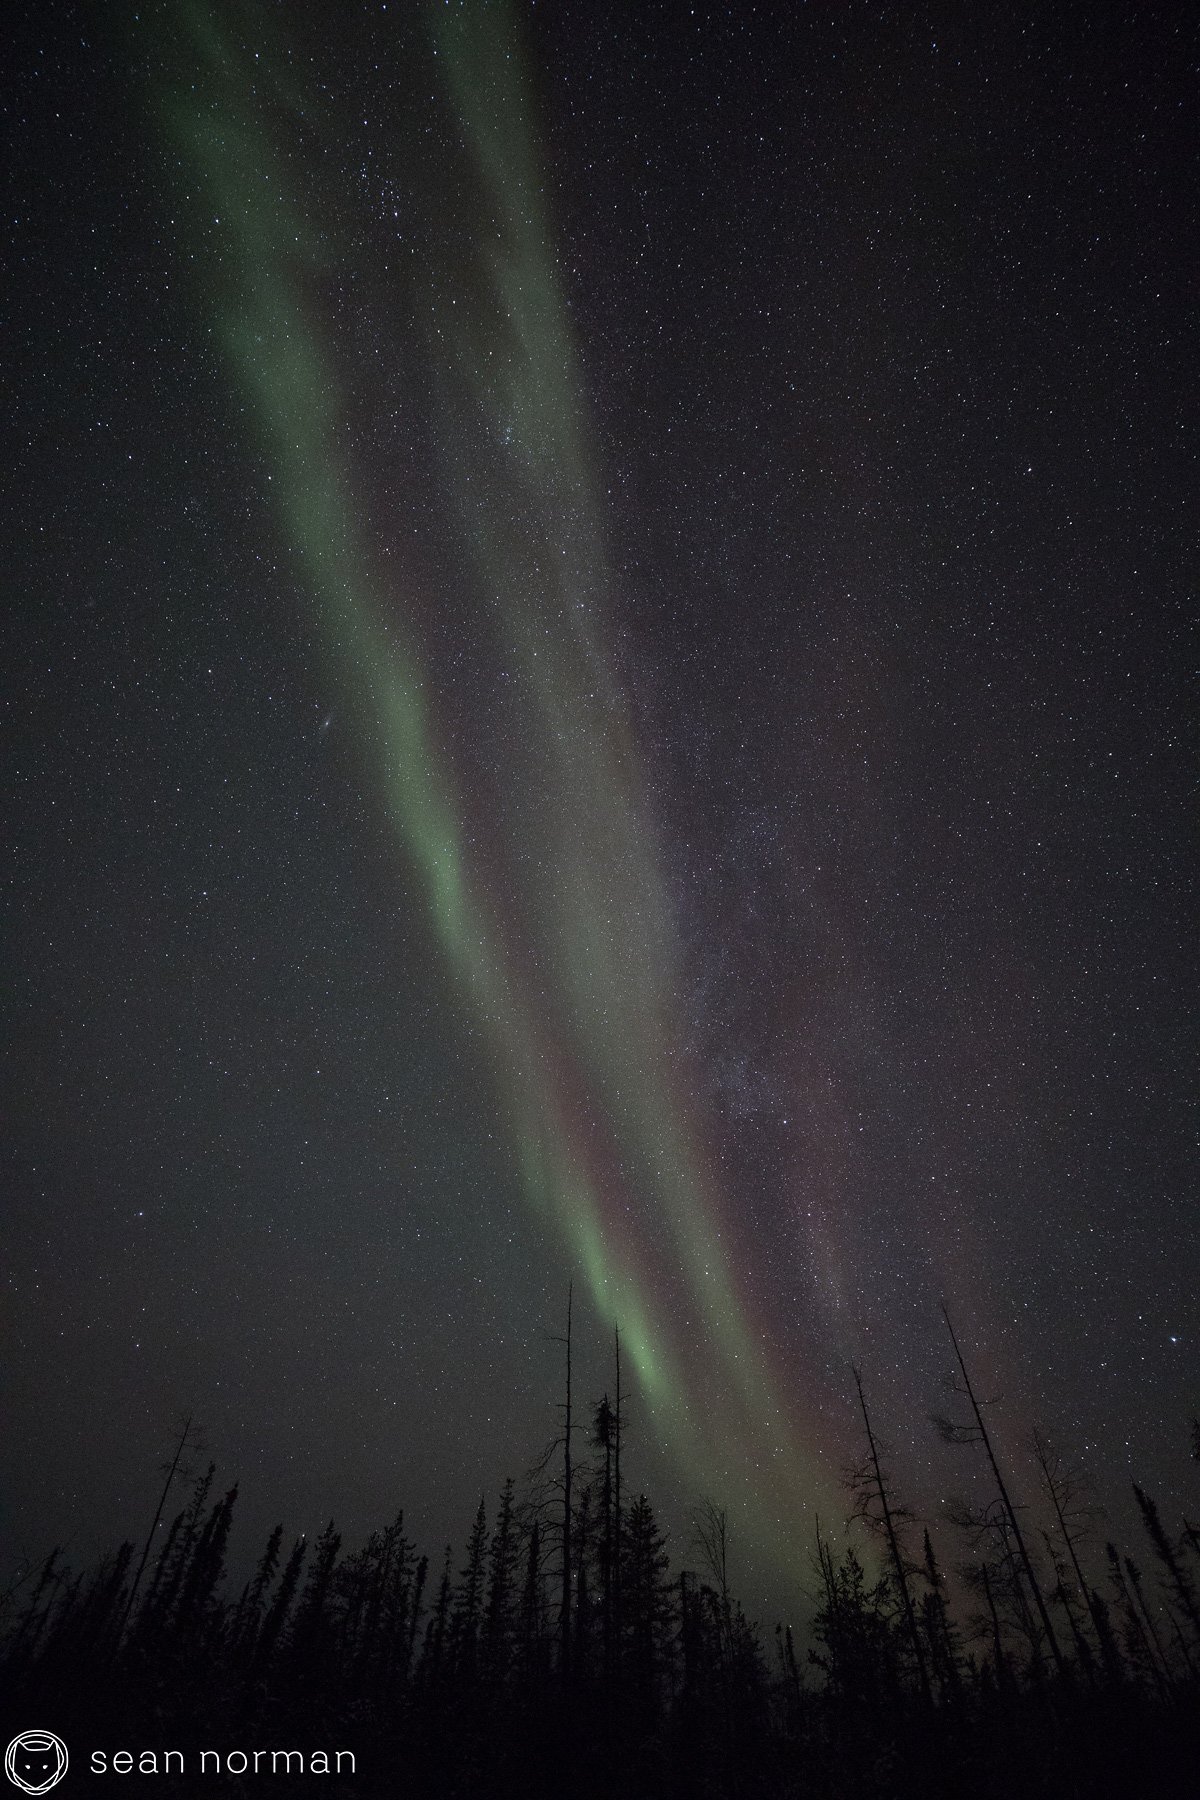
pixel 36 1761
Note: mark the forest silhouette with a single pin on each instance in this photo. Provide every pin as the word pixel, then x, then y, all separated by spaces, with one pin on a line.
pixel 560 1652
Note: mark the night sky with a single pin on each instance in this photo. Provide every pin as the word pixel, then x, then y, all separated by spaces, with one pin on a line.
pixel 596 689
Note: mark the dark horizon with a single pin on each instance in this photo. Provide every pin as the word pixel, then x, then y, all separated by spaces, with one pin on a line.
pixel 563 1645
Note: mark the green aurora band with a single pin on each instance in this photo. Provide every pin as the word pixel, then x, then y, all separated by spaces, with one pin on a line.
pixel 579 1009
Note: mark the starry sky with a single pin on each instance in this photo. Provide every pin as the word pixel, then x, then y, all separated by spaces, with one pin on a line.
pixel 596 692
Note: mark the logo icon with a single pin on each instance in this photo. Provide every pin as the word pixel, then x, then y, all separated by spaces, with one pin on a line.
pixel 36 1761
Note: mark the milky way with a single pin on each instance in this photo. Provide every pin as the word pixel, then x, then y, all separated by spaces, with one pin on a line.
pixel 674 477
pixel 557 923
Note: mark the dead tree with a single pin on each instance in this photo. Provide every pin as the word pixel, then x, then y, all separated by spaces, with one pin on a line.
pixel 887 1519
pixel 1074 1511
pixel 172 1471
pixel 952 1433
pixel 618 1425
pixel 564 1606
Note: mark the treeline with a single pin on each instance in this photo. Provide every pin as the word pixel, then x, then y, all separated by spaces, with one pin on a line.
pixel 559 1652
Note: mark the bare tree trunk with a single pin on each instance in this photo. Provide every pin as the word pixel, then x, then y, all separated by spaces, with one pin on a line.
pixel 162 1501
pixel 616 1551
pixel 608 1548
pixel 1051 1487
pixel 997 1642
pixel 1083 1649
pixel 1136 1631
pixel 1043 1613
pixel 565 1605
pixel 894 1548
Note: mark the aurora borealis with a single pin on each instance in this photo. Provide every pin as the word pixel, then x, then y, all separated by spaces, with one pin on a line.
pixel 574 992
pixel 602 659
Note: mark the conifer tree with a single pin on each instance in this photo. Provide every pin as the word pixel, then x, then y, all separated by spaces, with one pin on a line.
pixel 1134 1576
pixel 564 1613
pixel 940 1632
pixel 273 1624
pixel 311 1630
pixel 603 1438
pixel 617 1431
pixel 24 1640
pixel 853 1626
pixel 1176 1578
pixel 191 1529
pixel 645 1598
pixel 433 1659
pixel 533 1611
pixel 583 1593
pixel 1139 1643
pixel 502 1585
pixel 198 1597
pixel 469 1597
pixel 249 1614
pixel 415 1608
pixel 1110 1655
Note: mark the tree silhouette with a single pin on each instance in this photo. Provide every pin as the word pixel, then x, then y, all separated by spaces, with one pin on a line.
pixel 669 1694
pixel 1176 1577
pixel 877 1507
pixel 978 1433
